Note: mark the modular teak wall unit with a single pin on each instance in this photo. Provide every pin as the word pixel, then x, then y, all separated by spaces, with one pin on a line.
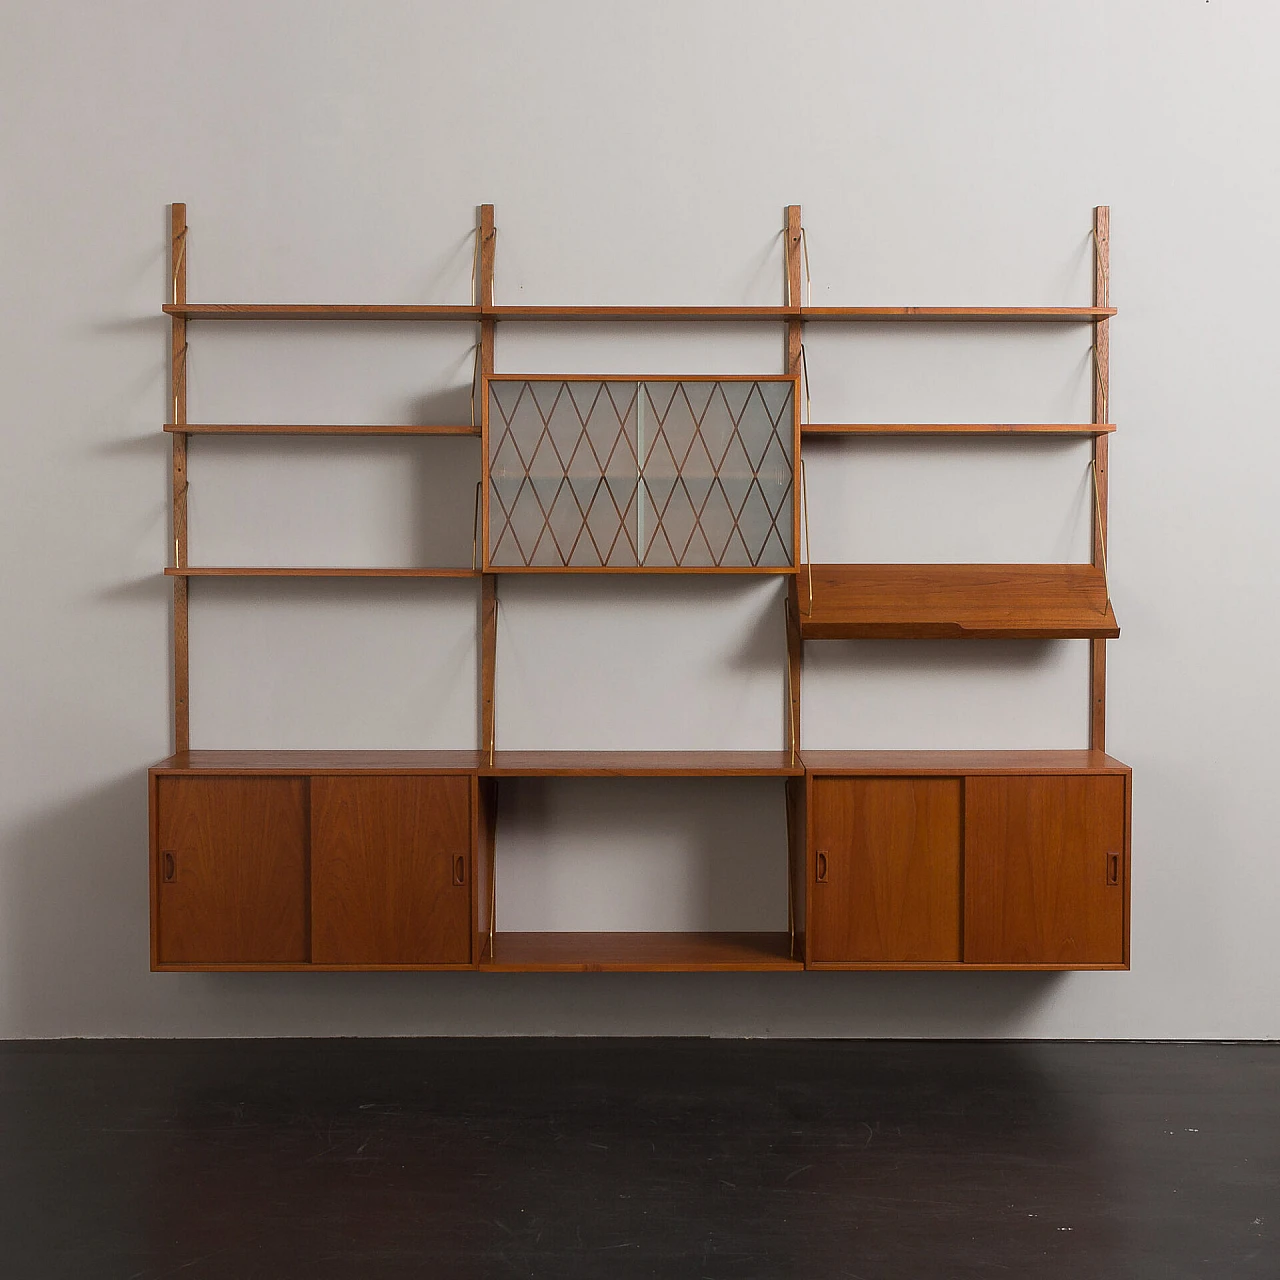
pixel 315 860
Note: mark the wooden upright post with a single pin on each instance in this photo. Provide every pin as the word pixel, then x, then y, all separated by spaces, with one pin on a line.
pixel 1101 408
pixel 795 337
pixel 489 581
pixel 178 387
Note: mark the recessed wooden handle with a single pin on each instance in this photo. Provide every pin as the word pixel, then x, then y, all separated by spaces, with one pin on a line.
pixel 459 870
pixel 820 867
pixel 1113 868
pixel 170 866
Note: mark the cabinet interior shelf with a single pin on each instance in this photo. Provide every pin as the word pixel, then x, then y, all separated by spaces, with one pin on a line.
pixel 956 428
pixel 414 311
pixel 259 571
pixel 294 429
pixel 640 952
pixel 941 601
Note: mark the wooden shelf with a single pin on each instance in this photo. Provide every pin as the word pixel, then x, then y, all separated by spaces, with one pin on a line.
pixel 308 762
pixel 641 313
pixel 1060 314
pixel 956 429
pixel 282 429
pixel 259 571
pixel 643 764
pixel 939 601
pixel 959 763
pixel 316 311
pixel 640 952
pixel 412 311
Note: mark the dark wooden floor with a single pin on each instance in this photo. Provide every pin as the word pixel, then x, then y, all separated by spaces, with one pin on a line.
pixel 586 1158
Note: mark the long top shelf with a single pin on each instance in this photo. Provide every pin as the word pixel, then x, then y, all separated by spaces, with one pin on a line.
pixel 413 311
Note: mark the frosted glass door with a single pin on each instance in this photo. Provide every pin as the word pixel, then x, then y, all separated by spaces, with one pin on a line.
pixel 659 474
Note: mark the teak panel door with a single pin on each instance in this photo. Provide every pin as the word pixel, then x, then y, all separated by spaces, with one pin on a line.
pixel 391 870
pixel 1045 870
pixel 231 873
pixel 885 872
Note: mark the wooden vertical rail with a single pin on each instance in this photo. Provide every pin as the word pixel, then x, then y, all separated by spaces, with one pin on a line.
pixel 488 663
pixel 795 336
pixel 178 388
pixel 1101 408
pixel 489 581
pixel 795 651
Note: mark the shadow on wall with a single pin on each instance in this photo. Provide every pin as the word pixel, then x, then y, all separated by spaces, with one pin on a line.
pixel 77 916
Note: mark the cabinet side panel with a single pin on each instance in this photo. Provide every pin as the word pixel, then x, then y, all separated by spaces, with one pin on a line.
pixel 1045 874
pixel 485 795
pixel 231 873
pixel 391 870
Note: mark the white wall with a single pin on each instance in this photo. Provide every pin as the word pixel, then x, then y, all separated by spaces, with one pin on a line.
pixel 943 153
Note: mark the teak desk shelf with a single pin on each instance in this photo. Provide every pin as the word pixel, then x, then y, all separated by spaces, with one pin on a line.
pixel 330 861
pixel 957 601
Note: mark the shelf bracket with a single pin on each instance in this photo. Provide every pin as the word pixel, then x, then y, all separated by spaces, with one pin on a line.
pixel 1102 531
pixel 808 548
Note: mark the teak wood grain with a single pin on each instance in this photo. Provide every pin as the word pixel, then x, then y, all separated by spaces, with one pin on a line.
pixel 314 762
pixel 642 764
pixel 269 571
pixel 1101 457
pixel 391 870
pixel 627 313
pixel 1045 870
pixel 818 429
pixel 178 235
pixel 885 869
pixel 318 311
pixel 959 763
pixel 939 601
pixel 1060 314
pixel 231 870
pixel 303 429
pixel 488 663
pixel 414 311
pixel 640 952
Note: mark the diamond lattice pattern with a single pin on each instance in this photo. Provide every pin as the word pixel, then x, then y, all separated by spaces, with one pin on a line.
pixel 655 474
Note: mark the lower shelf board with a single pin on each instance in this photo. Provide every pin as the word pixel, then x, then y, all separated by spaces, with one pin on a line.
pixel 640 952
pixel 642 764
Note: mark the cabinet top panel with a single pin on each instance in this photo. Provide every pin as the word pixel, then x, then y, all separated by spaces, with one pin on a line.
pixel 959 763
pixel 190 762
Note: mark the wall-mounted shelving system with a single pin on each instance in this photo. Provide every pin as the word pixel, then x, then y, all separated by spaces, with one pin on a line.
pixel 334 860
